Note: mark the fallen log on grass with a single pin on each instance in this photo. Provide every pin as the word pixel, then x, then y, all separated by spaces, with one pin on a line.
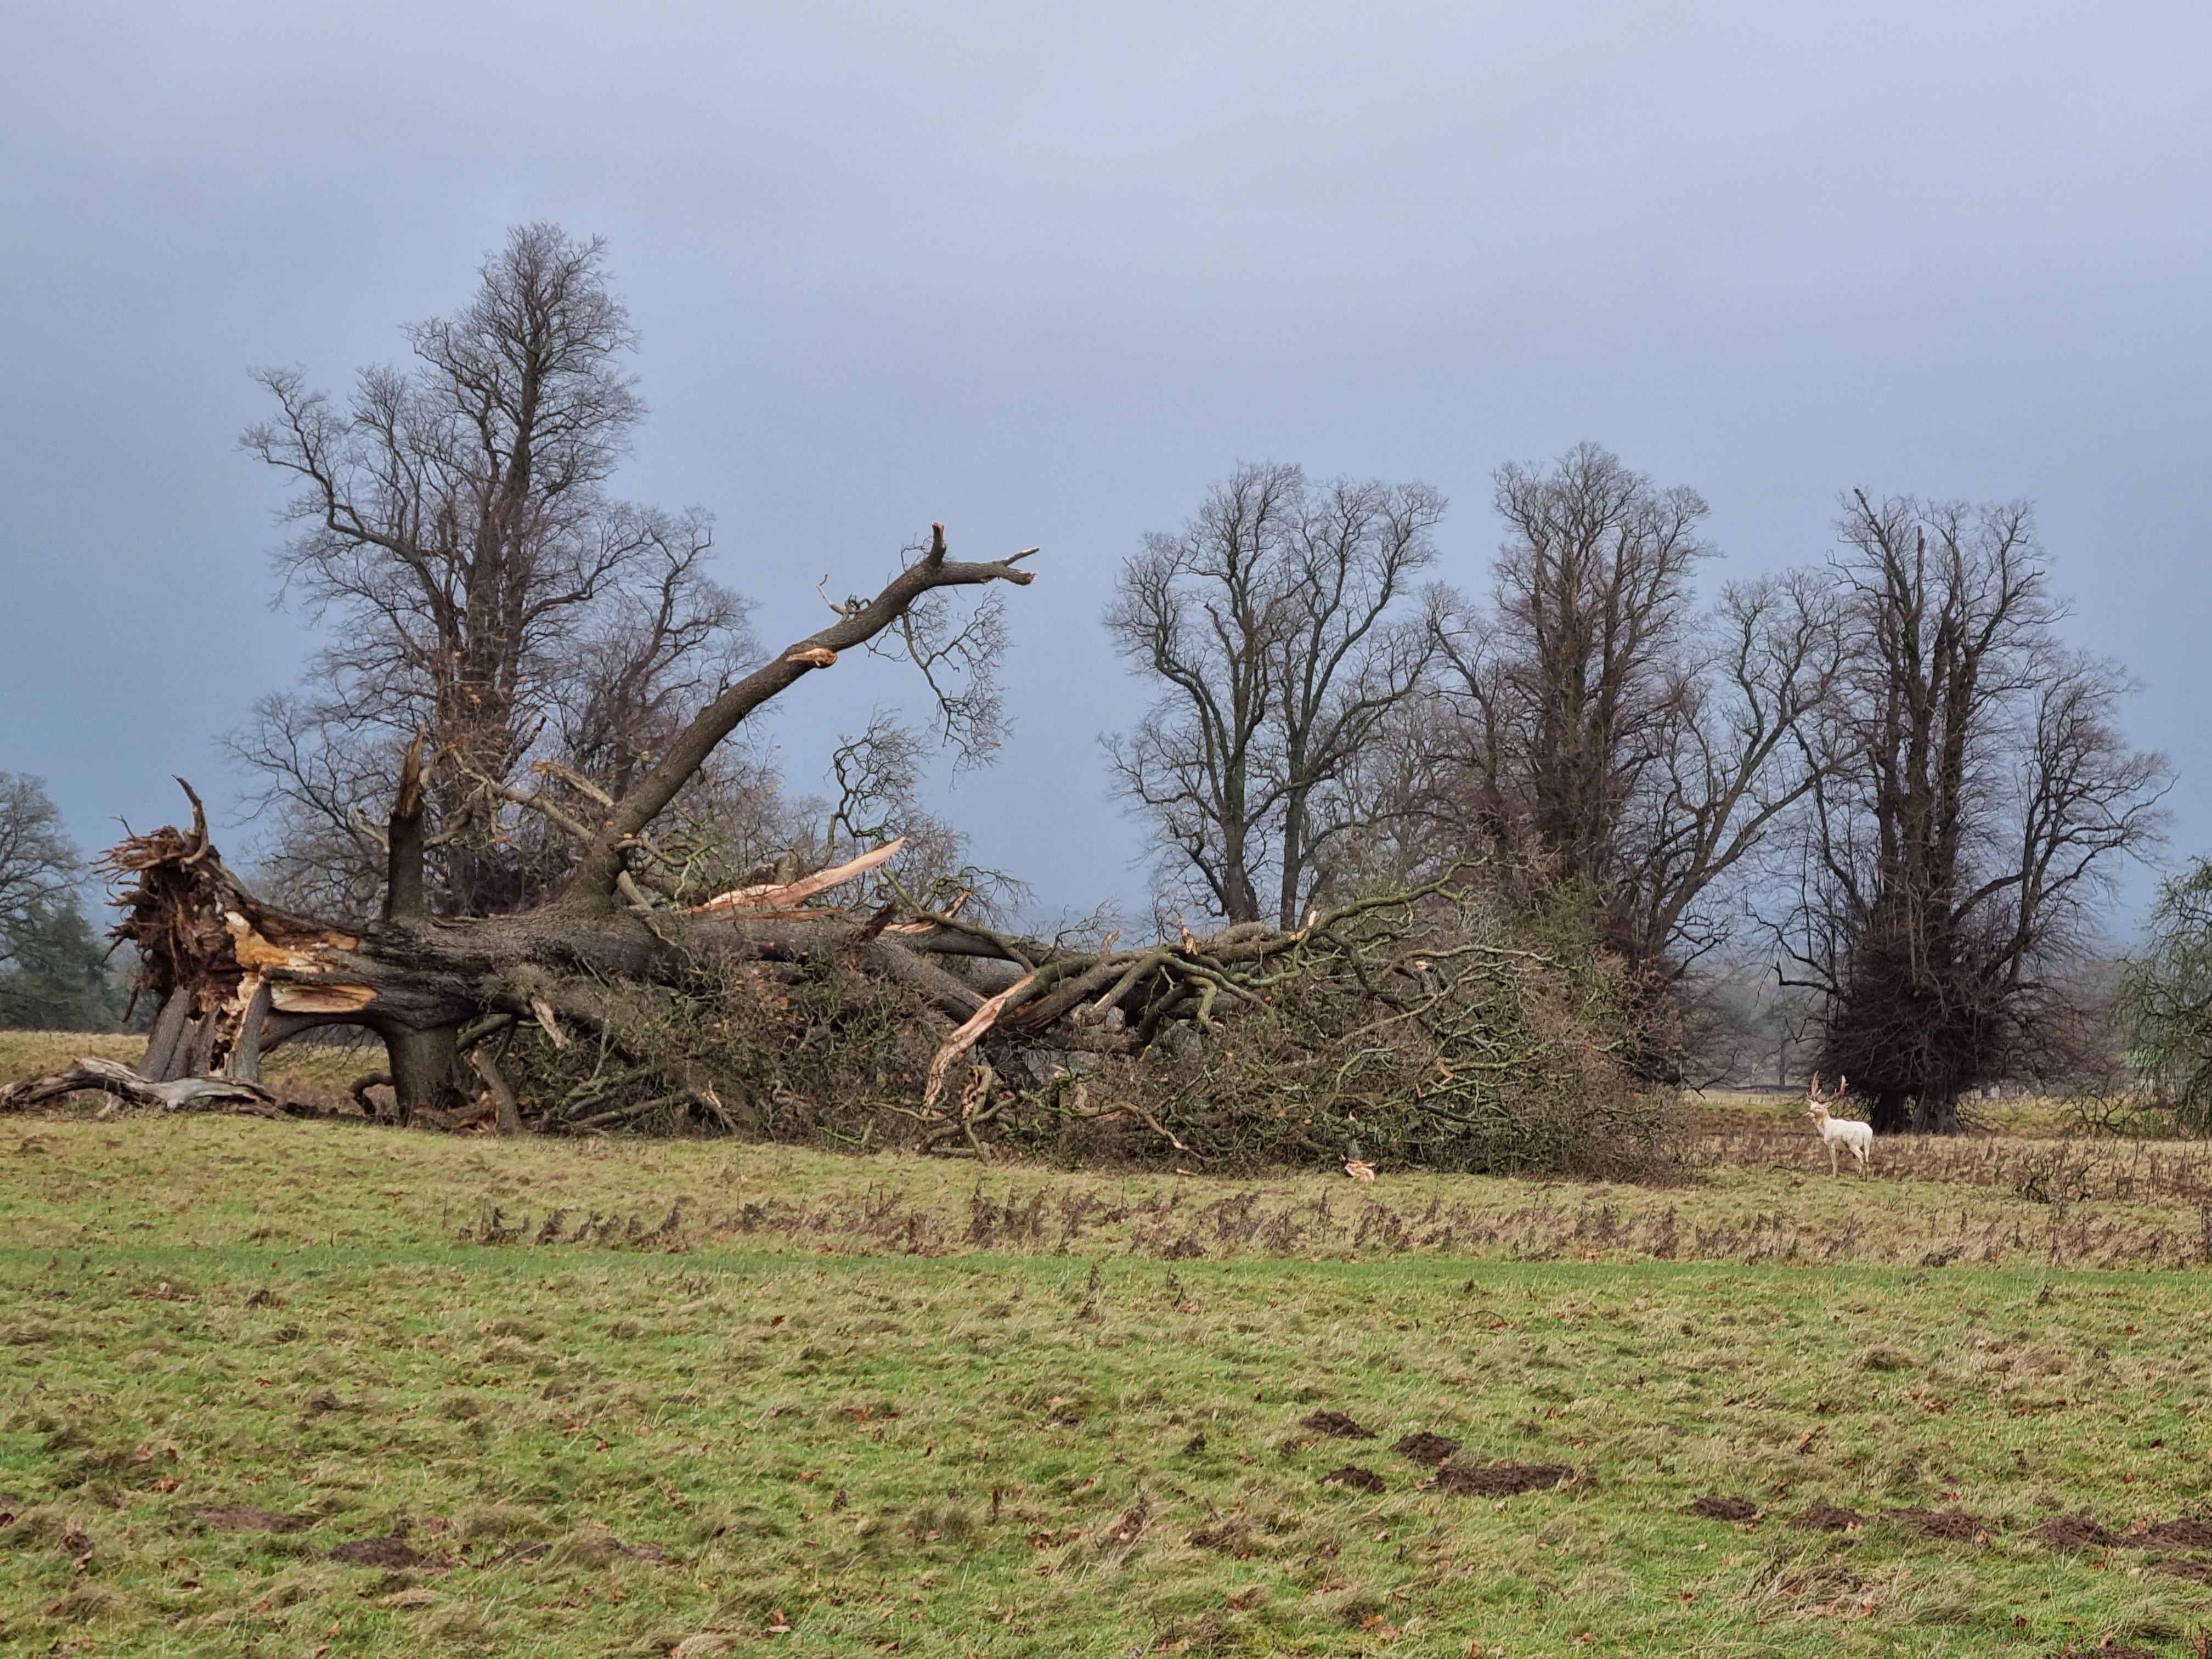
pixel 127 1088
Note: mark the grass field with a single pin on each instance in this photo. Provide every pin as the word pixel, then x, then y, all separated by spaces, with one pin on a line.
pixel 870 1407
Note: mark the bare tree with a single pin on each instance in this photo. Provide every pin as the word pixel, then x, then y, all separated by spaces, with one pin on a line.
pixel 1580 694
pixel 39 865
pixel 478 583
pixel 1354 652
pixel 1278 621
pixel 54 974
pixel 1976 791
pixel 1202 611
pixel 1623 748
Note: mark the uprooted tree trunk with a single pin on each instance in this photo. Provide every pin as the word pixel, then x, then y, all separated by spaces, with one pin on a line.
pixel 236 977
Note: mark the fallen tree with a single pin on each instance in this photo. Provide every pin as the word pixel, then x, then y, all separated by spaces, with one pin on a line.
pixel 1407 1027
pixel 236 977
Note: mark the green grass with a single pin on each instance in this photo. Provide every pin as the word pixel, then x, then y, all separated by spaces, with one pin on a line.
pixel 893 1407
pixel 1723 1110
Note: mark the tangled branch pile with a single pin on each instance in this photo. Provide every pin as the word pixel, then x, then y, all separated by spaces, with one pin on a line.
pixel 1410 1030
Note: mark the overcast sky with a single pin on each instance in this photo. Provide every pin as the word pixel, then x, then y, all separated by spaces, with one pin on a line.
pixel 1046 272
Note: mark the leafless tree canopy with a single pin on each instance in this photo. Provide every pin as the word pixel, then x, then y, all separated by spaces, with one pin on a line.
pixel 38 865
pixel 478 584
pixel 1282 626
pixel 1625 750
pixel 1974 792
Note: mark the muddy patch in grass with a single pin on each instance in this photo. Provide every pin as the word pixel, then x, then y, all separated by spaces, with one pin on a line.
pixel 393 1550
pixel 1714 1507
pixel 2194 1569
pixel 1353 1476
pixel 1821 1517
pixel 1336 1424
pixel 2074 1532
pixel 1499 1480
pixel 1433 1449
pixel 2186 1534
pixel 244 1517
pixel 1951 1526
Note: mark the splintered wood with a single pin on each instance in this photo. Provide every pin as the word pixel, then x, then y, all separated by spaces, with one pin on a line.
pixel 779 898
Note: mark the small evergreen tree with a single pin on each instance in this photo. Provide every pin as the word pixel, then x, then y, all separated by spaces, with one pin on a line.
pixel 56 976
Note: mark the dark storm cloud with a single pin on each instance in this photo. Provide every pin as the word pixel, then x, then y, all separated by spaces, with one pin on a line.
pixel 1045 272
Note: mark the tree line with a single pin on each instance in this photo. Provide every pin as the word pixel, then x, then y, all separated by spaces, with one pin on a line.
pixel 1884 777
pixel 1886 774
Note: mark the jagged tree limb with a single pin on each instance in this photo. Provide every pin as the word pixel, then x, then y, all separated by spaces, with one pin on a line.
pixel 592 887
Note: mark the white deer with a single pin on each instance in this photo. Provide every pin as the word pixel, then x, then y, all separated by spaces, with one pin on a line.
pixel 1838 1132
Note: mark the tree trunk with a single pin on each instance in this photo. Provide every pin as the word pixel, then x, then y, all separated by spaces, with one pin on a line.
pixel 169 1033
pixel 258 976
pixel 425 1068
pixel 1935 1113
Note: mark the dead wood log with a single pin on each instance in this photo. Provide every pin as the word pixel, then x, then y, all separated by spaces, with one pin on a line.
pixel 108 1077
pixel 238 976
pixel 502 1093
